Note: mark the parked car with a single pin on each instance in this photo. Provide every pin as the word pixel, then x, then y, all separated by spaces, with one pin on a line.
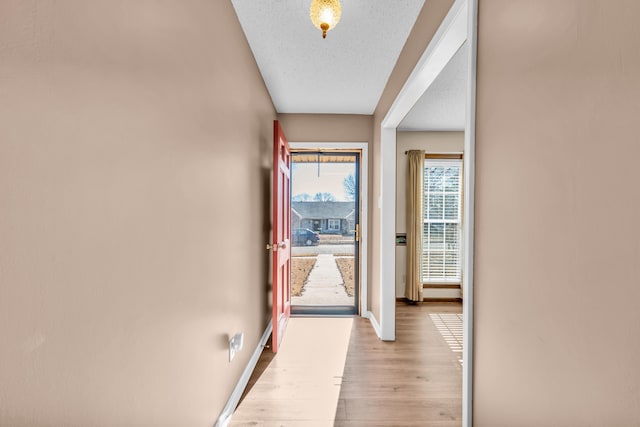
pixel 304 237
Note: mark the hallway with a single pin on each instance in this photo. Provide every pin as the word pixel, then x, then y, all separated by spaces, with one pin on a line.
pixel 335 372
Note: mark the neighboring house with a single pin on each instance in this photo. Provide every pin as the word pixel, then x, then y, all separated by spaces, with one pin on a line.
pixel 324 217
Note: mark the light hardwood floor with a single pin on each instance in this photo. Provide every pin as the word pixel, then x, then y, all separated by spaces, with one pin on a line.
pixel 335 372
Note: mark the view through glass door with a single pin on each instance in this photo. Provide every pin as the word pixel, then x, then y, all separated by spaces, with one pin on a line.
pixel 324 232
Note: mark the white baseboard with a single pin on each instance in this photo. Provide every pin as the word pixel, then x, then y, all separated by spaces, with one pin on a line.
pixel 374 322
pixel 234 399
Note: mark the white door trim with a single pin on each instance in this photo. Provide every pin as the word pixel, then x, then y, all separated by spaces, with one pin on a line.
pixel 363 147
pixel 458 26
pixel 469 215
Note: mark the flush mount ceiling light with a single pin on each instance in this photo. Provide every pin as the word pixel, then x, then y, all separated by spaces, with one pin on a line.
pixel 325 14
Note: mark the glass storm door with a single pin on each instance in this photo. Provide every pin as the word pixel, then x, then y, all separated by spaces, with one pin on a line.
pixel 325 206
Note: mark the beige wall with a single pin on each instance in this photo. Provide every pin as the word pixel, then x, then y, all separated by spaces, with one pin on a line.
pixel 434 143
pixel 135 144
pixel 557 205
pixel 430 17
pixel 327 127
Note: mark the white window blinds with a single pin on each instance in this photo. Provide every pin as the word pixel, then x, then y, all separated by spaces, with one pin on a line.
pixel 442 221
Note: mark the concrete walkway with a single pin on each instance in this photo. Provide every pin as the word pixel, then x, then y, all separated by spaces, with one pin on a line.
pixel 324 285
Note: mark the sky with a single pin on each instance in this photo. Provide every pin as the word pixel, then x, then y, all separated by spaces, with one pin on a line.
pixel 305 179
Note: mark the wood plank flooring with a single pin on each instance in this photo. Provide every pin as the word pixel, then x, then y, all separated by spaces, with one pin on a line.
pixel 336 372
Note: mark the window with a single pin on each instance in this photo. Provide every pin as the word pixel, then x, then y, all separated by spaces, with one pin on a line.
pixel 442 221
pixel 333 225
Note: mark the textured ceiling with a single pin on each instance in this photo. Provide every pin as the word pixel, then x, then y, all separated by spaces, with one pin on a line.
pixel 442 106
pixel 344 73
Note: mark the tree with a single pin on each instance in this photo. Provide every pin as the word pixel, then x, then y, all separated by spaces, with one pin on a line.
pixel 303 197
pixel 324 197
pixel 349 184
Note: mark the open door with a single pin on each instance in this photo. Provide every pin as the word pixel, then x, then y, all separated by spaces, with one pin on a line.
pixel 281 245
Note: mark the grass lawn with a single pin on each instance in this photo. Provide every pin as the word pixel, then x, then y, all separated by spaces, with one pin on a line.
pixel 300 269
pixel 345 265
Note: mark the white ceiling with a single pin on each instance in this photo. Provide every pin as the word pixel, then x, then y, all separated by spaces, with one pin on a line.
pixel 344 73
pixel 442 106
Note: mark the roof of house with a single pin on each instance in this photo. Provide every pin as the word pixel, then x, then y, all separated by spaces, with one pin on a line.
pixel 323 210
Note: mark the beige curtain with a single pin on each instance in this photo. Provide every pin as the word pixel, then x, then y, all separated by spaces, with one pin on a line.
pixel 415 223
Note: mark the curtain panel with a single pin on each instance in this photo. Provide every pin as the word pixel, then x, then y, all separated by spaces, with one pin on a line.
pixel 415 224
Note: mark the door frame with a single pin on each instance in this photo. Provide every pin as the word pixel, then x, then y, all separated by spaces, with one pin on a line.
pixel 363 147
pixel 458 26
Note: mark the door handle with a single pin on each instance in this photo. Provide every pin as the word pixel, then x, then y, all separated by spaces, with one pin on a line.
pixel 276 246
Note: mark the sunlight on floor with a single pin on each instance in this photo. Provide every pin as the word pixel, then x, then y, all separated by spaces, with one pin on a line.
pixel 450 327
pixel 301 385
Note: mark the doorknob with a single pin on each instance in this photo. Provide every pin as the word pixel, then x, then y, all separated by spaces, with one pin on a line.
pixel 276 246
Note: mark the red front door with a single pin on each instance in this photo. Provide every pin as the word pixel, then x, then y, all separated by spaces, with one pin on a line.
pixel 281 243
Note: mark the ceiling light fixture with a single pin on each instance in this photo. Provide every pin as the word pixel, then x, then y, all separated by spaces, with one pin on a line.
pixel 325 14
